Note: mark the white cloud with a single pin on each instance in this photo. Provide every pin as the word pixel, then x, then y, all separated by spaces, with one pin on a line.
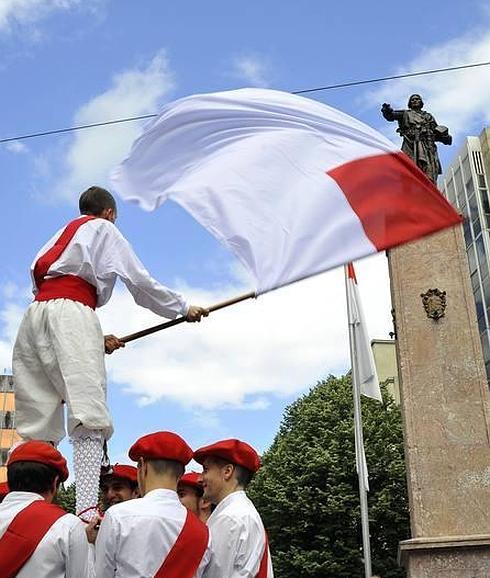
pixel 13 302
pixel 20 12
pixel 238 357
pixel 459 99
pixel 94 152
pixel 252 69
pixel 16 147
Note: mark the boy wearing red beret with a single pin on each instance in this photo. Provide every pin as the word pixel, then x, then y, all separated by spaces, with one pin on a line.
pixel 38 538
pixel 190 493
pixel 118 485
pixel 240 543
pixel 155 535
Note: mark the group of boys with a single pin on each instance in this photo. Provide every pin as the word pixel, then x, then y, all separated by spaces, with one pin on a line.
pixel 58 363
pixel 146 530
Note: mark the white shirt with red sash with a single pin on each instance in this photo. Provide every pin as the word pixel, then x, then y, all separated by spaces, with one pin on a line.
pixel 239 539
pixel 98 253
pixel 61 553
pixel 136 536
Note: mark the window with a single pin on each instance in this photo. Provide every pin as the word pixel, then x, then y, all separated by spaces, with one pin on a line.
pixel 458 180
pixel 466 169
pixel 486 289
pixel 3 456
pixel 476 227
pixel 475 281
pixel 485 346
pixel 473 203
pixel 484 201
pixel 482 326
pixel 450 194
pixel 479 303
pixel 477 162
pixel 7 420
pixel 471 259
pixel 484 273
pixel 6 383
pixel 461 197
pixel 467 233
pixel 480 250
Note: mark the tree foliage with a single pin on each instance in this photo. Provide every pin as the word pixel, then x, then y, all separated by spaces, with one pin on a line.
pixel 307 490
pixel 66 498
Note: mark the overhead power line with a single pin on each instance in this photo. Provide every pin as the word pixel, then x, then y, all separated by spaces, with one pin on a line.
pixel 305 91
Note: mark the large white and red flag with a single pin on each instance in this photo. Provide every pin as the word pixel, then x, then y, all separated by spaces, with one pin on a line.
pixel 292 186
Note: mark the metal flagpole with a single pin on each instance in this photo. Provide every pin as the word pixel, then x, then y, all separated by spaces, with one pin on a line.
pixel 359 441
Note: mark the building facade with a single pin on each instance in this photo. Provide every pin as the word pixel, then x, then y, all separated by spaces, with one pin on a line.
pixel 466 185
pixel 8 435
pixel 384 353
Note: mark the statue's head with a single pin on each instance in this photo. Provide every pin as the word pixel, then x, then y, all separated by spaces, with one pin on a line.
pixel 415 102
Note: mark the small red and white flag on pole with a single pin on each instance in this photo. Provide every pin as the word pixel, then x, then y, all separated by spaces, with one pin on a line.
pixel 364 358
pixel 364 376
pixel 292 186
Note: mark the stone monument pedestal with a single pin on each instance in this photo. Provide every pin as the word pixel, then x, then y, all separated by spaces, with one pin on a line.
pixel 445 405
pixel 447 557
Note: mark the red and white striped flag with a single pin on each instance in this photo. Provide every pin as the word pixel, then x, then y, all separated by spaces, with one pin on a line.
pixel 363 358
pixel 292 186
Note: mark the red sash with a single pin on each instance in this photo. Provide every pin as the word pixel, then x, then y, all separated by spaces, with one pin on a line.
pixel 63 286
pixel 265 560
pixel 23 535
pixel 186 554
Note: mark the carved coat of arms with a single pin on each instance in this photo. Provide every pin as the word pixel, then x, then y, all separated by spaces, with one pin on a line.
pixel 434 302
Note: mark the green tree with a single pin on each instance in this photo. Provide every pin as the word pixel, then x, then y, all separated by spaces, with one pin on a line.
pixel 307 489
pixel 66 498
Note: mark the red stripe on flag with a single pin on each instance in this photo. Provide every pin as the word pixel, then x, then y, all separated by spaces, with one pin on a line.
pixel 393 199
pixel 351 274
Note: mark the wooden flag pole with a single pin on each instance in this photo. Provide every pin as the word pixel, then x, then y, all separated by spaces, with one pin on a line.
pixel 167 324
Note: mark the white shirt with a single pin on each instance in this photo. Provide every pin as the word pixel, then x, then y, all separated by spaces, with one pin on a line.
pixel 238 538
pixel 62 552
pixel 135 536
pixel 98 253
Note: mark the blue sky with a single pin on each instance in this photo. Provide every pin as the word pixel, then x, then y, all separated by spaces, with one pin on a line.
pixel 65 62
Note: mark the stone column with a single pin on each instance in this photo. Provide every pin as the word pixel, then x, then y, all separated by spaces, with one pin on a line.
pixel 446 411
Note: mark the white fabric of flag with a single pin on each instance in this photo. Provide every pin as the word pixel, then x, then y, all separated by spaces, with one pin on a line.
pixel 363 366
pixel 292 186
pixel 366 368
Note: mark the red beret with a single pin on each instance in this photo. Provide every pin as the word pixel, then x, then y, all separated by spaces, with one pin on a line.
pixel 162 445
pixel 4 490
pixel 124 472
pixel 236 451
pixel 192 479
pixel 42 453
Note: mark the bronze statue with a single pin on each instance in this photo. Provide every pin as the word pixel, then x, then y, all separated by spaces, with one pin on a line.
pixel 420 132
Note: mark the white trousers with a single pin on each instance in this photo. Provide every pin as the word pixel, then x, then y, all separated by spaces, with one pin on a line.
pixel 59 356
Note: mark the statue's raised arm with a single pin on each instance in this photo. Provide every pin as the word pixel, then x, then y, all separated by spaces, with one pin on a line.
pixel 420 132
pixel 390 114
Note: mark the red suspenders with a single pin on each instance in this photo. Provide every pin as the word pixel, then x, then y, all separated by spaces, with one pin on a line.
pixel 23 535
pixel 63 286
pixel 265 560
pixel 186 554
